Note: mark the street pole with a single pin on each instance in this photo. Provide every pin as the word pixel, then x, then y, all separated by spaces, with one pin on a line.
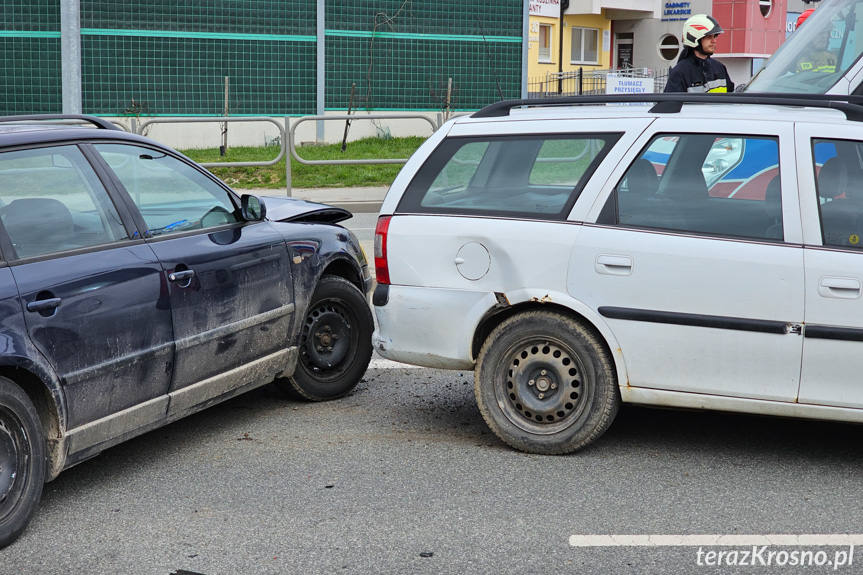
pixel 525 34
pixel 70 55
pixel 321 65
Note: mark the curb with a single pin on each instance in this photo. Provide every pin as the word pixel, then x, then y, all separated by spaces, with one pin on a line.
pixel 357 207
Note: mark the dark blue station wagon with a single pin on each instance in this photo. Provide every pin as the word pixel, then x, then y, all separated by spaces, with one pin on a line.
pixel 136 289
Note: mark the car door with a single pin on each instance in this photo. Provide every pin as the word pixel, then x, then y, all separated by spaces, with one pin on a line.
pixel 94 295
pixel 485 215
pixel 831 190
pixel 695 263
pixel 229 280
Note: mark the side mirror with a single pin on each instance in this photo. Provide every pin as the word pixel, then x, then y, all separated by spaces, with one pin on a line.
pixel 253 209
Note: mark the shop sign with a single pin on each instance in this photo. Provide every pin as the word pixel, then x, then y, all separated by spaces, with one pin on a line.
pixel 672 11
pixel 622 85
pixel 548 8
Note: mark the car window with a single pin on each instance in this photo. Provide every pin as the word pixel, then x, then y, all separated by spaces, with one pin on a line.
pixel 534 176
pixel 839 184
pixel 562 162
pixel 457 173
pixel 52 201
pixel 816 55
pixel 171 195
pixel 724 185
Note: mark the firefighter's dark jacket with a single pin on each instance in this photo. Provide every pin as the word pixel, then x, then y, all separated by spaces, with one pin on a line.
pixel 692 74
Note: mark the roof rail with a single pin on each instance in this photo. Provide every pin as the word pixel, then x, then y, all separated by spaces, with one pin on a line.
pixel 670 103
pixel 100 123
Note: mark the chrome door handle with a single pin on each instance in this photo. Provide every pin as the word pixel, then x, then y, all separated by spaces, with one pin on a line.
pixel 182 276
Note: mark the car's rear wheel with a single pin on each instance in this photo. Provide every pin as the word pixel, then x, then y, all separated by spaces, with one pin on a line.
pixel 335 343
pixel 545 384
pixel 22 461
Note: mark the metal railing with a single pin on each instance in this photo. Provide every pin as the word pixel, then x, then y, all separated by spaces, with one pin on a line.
pixel 273 162
pixel 592 82
pixel 287 137
pixel 351 117
pixel 140 131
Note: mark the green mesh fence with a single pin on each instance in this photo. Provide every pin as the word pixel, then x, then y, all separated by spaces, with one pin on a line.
pixel 30 15
pixel 399 74
pixel 282 17
pixel 186 76
pixel 29 57
pixel 501 18
pixel 157 58
pixel 30 79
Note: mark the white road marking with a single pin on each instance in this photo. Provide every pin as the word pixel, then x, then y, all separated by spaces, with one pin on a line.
pixel 803 540
pixel 380 363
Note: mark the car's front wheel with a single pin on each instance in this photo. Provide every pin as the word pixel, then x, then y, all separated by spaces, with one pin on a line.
pixel 545 383
pixel 22 461
pixel 335 343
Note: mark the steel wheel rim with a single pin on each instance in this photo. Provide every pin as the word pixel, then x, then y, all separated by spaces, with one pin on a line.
pixel 327 338
pixel 14 455
pixel 542 386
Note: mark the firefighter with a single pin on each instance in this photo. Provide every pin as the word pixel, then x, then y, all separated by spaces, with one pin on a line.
pixel 696 71
pixel 819 58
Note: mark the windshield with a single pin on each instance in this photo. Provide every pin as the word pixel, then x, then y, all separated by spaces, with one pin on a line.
pixel 816 55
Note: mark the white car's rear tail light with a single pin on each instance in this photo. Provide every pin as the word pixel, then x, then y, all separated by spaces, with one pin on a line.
pixel 382 270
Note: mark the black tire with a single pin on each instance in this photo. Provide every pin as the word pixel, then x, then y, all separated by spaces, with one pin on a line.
pixel 545 384
pixel 22 461
pixel 335 343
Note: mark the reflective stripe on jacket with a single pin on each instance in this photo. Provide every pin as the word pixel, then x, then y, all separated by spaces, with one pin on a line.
pixel 711 86
pixel 692 74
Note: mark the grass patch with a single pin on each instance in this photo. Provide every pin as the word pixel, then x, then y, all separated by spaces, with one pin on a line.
pixel 302 176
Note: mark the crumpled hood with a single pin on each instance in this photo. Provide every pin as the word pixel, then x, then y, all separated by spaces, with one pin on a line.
pixel 296 210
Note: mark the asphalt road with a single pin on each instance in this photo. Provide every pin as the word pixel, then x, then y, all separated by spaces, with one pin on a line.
pixel 403 476
pixel 405 467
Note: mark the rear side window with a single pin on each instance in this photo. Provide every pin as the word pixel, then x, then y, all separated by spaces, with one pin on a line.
pixel 52 201
pixel 525 176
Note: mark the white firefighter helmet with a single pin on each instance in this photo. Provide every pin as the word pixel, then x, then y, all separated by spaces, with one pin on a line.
pixel 697 27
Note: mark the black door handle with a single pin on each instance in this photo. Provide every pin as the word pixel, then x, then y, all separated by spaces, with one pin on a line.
pixel 44 304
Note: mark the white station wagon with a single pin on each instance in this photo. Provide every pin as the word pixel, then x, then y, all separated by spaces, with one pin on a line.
pixel 696 252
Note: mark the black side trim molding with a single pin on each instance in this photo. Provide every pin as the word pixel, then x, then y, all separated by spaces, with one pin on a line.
pixel 827 332
pixel 696 320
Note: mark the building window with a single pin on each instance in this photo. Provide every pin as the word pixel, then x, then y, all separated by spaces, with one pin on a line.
pixel 766 6
pixel 585 46
pixel 669 47
pixel 544 43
